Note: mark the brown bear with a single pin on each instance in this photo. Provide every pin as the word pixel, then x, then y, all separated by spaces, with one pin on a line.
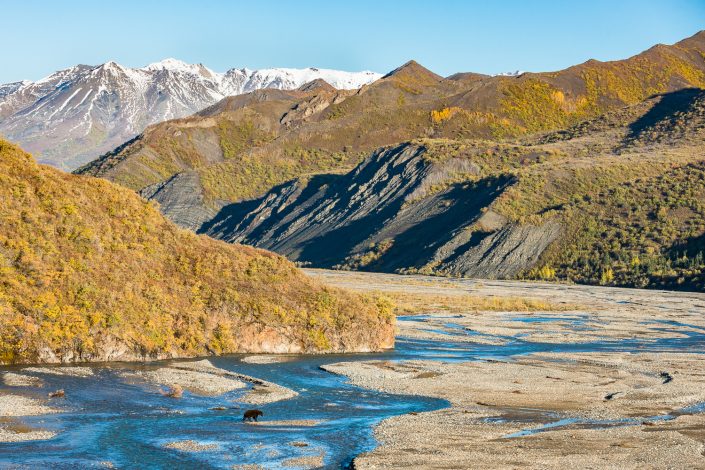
pixel 252 415
pixel 57 394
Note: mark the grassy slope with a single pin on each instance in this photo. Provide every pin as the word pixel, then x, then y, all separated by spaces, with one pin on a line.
pixel 580 182
pixel 642 232
pixel 631 216
pixel 558 176
pixel 87 266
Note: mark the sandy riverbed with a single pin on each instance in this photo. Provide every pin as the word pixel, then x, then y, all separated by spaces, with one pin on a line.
pixel 263 359
pixel 574 314
pixel 70 371
pixel 16 406
pixel 190 446
pixel 202 378
pixel 12 379
pixel 542 410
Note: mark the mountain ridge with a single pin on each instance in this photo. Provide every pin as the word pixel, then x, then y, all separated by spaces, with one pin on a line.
pixel 615 201
pixel 243 146
pixel 76 114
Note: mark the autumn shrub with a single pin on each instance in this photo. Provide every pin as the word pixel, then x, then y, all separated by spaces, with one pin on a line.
pixel 88 268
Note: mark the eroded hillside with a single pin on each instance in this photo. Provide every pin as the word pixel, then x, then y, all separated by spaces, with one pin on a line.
pixel 616 201
pixel 245 145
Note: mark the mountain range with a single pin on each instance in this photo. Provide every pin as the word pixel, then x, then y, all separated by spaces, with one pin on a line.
pixel 74 115
pixel 538 175
pixel 615 200
pixel 591 174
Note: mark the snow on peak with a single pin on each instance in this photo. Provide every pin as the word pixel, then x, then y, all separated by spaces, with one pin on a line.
pixel 272 77
pixel 108 104
pixel 294 78
pixel 111 65
pixel 169 64
pixel 9 88
pixel 515 73
pixel 179 66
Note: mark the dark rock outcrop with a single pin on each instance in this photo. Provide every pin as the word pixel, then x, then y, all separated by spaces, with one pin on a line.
pixel 506 252
pixel 181 200
pixel 397 211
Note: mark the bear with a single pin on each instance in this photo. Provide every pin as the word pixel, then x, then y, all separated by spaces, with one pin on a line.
pixel 252 415
pixel 57 394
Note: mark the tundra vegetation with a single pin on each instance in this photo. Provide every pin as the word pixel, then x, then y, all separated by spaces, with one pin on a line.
pixel 90 271
pixel 246 144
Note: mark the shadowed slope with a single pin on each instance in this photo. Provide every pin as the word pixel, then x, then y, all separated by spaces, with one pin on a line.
pixel 590 204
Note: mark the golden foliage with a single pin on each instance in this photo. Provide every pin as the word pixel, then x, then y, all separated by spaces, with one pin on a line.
pixel 438 116
pixel 545 273
pixel 87 267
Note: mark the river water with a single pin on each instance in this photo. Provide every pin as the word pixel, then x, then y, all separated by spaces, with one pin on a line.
pixel 107 421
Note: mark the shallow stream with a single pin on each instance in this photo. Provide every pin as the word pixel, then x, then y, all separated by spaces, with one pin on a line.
pixel 108 421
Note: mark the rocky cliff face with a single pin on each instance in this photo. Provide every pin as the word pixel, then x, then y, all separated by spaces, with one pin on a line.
pixel 181 199
pixel 396 211
pixel 614 200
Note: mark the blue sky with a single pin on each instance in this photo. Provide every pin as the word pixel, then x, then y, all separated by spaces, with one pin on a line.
pixel 488 36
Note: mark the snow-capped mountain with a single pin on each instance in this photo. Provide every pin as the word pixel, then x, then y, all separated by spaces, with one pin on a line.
pixel 74 115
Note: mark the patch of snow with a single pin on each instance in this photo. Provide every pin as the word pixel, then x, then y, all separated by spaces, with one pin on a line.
pixel 515 73
pixel 61 108
pixel 84 98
